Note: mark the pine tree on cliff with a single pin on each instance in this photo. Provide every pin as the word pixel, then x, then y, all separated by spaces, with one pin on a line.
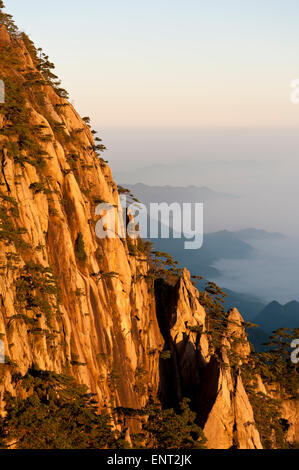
pixel 7 20
pixel 275 365
pixel 167 429
pixel 57 413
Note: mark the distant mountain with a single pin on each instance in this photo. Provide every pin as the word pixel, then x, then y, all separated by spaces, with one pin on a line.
pixel 258 338
pixel 255 234
pixel 223 244
pixel 199 262
pixel 275 316
pixel 248 305
pixel 169 194
pixel 218 245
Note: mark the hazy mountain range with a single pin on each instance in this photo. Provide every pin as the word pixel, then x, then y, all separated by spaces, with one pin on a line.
pixel 219 245
pixel 220 248
pixel 250 234
pixel 276 315
pixel 148 194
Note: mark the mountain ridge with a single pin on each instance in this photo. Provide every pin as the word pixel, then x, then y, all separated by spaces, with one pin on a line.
pixel 276 315
pixel 175 193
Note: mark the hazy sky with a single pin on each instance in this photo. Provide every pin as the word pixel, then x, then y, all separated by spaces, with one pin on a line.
pixel 172 63
pixel 207 82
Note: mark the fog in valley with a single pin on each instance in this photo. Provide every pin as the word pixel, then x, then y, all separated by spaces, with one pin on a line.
pixel 271 273
pixel 259 169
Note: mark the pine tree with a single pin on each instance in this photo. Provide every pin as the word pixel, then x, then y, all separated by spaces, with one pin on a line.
pixel 56 413
pixel 167 429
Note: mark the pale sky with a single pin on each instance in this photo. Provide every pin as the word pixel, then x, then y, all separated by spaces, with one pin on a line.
pixel 191 92
pixel 172 63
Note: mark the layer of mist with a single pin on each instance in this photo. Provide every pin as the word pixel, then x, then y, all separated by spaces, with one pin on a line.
pixel 270 272
pixel 260 167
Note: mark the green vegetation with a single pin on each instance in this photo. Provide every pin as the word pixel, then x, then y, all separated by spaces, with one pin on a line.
pixel 163 266
pixel 109 275
pixel 99 256
pixel 196 329
pixel 132 248
pixel 56 413
pixel 212 299
pixel 46 68
pixel 20 87
pixel 52 411
pixel 7 21
pixel 98 200
pixel 164 355
pixel 170 430
pixel 8 230
pixel 23 145
pixel 271 426
pixel 80 248
pixel 166 428
pixel 86 119
pixel 75 360
pixel 275 365
pixel 141 381
pixel 139 247
pixel 122 190
pixel 275 369
pixel 40 187
pixel 38 290
pixel 113 380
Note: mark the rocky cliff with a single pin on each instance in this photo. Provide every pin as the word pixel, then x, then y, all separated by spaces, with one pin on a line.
pixel 88 307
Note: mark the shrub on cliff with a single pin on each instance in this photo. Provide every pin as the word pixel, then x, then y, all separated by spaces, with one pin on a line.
pixel 7 20
pixel 275 365
pixel 38 290
pixel 57 413
pixel 80 248
pixel 167 429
